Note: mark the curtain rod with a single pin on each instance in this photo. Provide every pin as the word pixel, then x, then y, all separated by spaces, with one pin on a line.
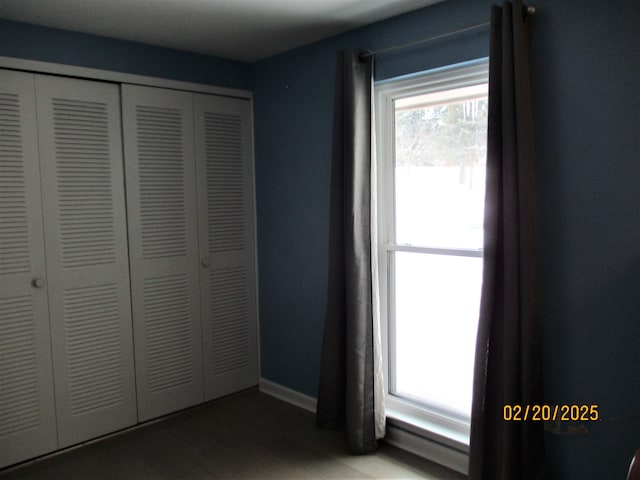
pixel 529 10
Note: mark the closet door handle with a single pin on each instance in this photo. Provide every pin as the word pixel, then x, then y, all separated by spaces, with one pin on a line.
pixel 205 262
pixel 37 282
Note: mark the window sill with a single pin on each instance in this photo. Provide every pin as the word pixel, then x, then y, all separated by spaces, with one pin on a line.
pixel 437 438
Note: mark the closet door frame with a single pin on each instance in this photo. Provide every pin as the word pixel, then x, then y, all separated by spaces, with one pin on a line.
pixel 35 67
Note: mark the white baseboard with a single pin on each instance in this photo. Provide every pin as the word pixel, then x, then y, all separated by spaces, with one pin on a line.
pixel 423 447
pixel 288 395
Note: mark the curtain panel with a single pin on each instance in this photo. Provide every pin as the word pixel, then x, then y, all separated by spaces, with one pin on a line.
pixel 508 367
pixel 346 394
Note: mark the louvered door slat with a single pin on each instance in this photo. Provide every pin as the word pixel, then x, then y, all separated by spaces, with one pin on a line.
pixel 87 258
pixel 27 416
pixel 158 126
pixel 225 209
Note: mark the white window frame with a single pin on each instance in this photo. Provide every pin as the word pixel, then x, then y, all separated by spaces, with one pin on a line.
pixel 419 420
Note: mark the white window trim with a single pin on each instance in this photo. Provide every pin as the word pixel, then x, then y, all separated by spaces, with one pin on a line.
pixel 449 436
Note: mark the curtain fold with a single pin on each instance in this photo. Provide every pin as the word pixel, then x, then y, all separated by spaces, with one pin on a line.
pixel 508 367
pixel 346 395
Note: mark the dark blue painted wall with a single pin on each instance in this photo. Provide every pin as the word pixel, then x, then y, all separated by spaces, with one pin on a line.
pixel 587 70
pixel 586 64
pixel 45 44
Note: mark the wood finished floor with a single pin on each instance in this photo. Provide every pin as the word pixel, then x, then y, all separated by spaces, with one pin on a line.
pixel 247 436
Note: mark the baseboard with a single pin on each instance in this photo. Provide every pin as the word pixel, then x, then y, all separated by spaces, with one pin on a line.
pixel 288 395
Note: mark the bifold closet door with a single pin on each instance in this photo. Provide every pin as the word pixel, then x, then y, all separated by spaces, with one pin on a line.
pixel 27 415
pixel 81 165
pixel 160 179
pixel 227 247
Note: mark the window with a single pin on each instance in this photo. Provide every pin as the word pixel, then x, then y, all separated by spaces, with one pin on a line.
pixel 431 161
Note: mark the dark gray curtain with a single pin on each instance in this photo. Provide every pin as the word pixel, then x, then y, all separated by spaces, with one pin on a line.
pixel 508 351
pixel 346 389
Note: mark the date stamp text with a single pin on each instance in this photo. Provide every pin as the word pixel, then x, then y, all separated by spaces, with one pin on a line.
pixel 547 413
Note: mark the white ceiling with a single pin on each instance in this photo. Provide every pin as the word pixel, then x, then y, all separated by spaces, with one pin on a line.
pixel 244 30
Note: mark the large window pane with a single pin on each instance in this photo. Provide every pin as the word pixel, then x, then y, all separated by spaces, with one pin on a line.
pixel 437 302
pixel 440 152
pixel 432 160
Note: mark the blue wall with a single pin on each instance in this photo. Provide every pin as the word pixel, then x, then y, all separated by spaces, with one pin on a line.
pixel 45 44
pixel 586 64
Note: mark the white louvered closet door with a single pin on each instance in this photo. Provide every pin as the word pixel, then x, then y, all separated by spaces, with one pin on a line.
pixel 27 415
pixel 158 137
pixel 87 261
pixel 227 246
